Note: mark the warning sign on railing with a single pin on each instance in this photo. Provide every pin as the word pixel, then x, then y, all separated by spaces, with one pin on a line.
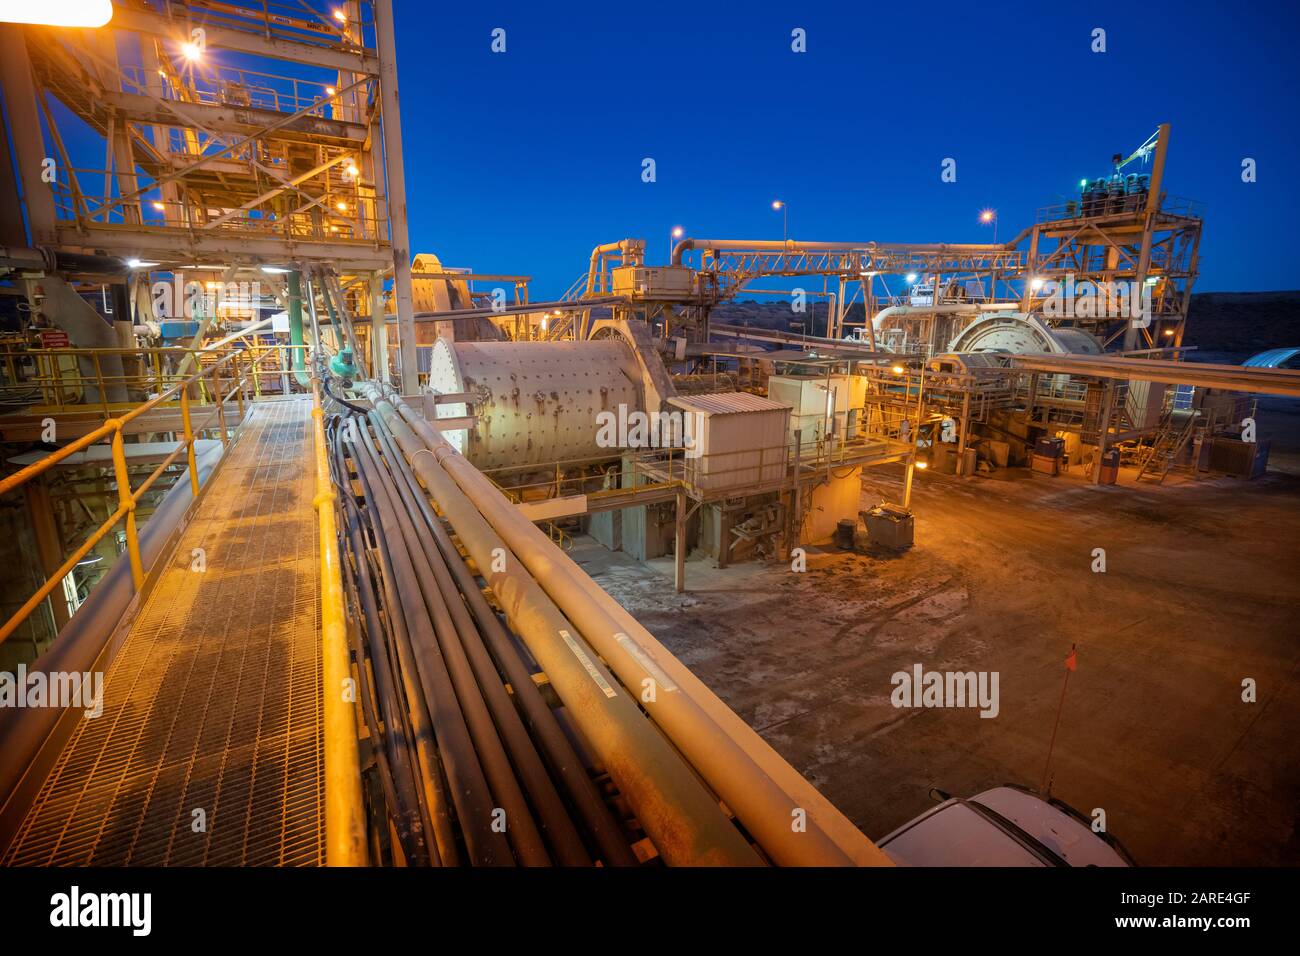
pixel 54 339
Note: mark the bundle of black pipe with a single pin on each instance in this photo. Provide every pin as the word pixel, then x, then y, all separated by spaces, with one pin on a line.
pixel 470 771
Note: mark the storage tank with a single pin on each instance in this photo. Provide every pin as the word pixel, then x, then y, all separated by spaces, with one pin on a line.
pixel 535 402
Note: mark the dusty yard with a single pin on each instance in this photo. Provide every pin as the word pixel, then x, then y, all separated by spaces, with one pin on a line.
pixel 1200 593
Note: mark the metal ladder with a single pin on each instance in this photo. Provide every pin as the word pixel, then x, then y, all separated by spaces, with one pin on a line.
pixel 1169 444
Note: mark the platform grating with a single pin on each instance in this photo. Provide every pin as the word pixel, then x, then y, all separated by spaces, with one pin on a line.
pixel 213 703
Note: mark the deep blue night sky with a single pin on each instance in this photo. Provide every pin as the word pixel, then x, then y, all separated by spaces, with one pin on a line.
pixel 521 162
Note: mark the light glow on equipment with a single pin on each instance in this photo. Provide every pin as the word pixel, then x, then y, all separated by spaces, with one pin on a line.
pixel 329 91
pixel 57 13
pixel 159 206
pixel 340 16
pixel 192 51
pixel 274 270
pixel 922 465
pixel 898 370
pixel 1035 284
pixel 987 215
pixel 911 277
pixel 1152 280
pixel 341 206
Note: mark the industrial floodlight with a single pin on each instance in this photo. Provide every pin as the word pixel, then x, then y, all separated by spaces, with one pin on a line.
pixel 57 13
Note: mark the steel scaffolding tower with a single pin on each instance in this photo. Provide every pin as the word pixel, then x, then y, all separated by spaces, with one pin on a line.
pixel 220 136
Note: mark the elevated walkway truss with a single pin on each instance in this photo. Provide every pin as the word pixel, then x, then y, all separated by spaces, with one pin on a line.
pixel 209 750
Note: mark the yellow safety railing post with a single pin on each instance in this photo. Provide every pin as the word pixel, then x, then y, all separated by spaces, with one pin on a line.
pixel 112 430
pixel 345 824
pixel 189 442
pixel 127 502
pixel 220 401
pixel 239 384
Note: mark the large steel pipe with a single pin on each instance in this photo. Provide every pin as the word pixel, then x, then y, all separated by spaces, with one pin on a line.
pixel 476 677
pixel 730 756
pixel 683 820
pixel 468 786
pixel 559 753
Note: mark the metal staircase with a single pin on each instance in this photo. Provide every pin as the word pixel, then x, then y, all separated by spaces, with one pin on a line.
pixel 1170 441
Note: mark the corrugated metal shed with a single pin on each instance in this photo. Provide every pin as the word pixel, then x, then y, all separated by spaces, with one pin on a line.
pixel 740 439
pixel 727 403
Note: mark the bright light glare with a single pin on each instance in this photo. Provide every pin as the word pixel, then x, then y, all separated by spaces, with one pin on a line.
pixel 1036 284
pixel 922 465
pixel 57 13
pixel 340 16
pixel 191 51
pixel 677 232
pixel 777 204
pixel 911 277
pixel 329 91
pixel 898 370
pixel 986 215
pixel 159 206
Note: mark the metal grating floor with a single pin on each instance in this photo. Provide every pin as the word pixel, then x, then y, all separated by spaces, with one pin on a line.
pixel 213 703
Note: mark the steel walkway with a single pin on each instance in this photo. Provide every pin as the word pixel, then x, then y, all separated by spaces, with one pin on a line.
pixel 209 748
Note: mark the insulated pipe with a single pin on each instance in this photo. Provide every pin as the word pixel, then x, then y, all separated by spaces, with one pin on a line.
pixel 626 641
pixel 468 787
pixel 921 310
pixel 683 820
pixel 564 838
pixel 765 810
pixel 519 826
pixel 559 752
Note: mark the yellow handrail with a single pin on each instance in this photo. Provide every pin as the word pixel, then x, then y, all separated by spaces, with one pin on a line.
pixel 127 499
pixel 345 825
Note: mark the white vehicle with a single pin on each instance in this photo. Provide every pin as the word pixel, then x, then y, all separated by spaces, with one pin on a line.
pixel 1005 826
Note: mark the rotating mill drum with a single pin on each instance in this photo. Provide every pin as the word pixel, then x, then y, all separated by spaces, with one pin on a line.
pixel 535 403
pixel 1018 333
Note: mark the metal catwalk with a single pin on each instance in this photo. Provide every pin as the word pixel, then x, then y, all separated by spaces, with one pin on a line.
pixel 209 748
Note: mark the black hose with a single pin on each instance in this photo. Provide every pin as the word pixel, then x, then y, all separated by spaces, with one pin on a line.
pixel 427 765
pixel 555 746
pixel 467 785
pixel 517 819
pixel 554 818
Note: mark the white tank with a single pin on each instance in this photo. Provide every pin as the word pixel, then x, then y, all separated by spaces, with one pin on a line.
pixel 536 402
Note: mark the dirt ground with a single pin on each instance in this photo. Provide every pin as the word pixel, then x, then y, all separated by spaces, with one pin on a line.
pixel 1200 593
